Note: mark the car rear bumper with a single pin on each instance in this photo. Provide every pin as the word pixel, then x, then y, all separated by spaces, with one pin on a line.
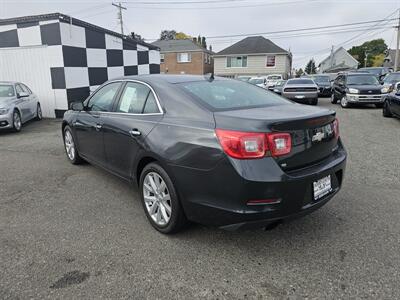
pixel 373 99
pixel 302 97
pixel 6 121
pixel 219 197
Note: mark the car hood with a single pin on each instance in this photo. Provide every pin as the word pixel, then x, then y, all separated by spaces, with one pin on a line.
pixel 6 101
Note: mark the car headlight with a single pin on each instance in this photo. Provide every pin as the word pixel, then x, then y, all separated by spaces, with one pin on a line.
pixel 353 91
pixel 385 90
pixel 3 111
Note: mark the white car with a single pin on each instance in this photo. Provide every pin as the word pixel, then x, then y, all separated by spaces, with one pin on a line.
pixel 258 81
pixel 272 80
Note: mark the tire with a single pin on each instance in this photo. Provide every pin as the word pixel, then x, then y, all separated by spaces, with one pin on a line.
pixel 39 115
pixel 344 103
pixel 386 110
pixel 17 122
pixel 314 101
pixel 379 105
pixel 333 98
pixel 165 213
pixel 70 147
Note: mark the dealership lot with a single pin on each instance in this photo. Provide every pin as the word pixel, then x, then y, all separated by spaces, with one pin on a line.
pixel 75 231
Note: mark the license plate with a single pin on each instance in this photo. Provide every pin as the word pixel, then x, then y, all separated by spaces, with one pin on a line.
pixel 300 97
pixel 322 187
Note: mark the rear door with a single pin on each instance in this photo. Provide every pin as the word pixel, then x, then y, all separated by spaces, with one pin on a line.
pixel 89 122
pixel 125 129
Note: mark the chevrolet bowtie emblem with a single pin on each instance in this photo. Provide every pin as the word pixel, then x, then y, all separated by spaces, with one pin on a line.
pixel 318 136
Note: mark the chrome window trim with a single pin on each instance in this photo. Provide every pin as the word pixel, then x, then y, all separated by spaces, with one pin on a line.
pixel 131 114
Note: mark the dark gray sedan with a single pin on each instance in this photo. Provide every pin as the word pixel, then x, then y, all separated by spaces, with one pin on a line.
pixel 17 105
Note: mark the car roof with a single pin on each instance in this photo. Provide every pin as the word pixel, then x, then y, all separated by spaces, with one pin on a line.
pixel 169 78
pixel 8 82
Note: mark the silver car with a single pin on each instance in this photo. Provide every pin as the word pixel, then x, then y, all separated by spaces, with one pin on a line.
pixel 302 90
pixel 17 105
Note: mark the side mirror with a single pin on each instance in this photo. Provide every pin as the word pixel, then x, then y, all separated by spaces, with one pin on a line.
pixel 22 95
pixel 77 106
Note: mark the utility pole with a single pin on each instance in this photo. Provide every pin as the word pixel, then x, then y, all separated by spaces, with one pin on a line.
pixel 120 8
pixel 396 59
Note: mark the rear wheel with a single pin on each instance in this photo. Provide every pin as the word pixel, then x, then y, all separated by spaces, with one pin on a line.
pixel 333 98
pixel 386 110
pixel 344 103
pixel 17 122
pixel 70 147
pixel 38 112
pixel 160 200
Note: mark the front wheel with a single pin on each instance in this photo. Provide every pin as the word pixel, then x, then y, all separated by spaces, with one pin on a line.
pixel 39 115
pixel 386 110
pixel 160 200
pixel 344 103
pixel 70 147
pixel 17 122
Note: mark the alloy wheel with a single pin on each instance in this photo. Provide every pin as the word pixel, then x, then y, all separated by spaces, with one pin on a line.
pixel 39 112
pixel 69 145
pixel 17 121
pixel 343 102
pixel 157 198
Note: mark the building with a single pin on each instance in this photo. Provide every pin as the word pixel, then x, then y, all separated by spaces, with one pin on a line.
pixel 184 57
pixel 253 56
pixel 62 59
pixel 338 60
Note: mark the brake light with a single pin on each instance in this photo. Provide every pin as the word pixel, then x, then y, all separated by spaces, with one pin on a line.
pixel 246 145
pixel 336 128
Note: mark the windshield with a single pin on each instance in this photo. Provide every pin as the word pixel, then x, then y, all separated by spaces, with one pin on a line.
pixel 6 90
pixel 274 77
pixel 256 81
pixel 300 81
pixel 391 78
pixel 362 80
pixel 321 79
pixel 231 94
pixel 375 71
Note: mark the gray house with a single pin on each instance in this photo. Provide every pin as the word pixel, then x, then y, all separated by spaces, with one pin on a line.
pixel 253 56
pixel 338 60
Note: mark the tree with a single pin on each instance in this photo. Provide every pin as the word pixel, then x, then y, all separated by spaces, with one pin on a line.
pixel 182 36
pixel 310 67
pixel 168 35
pixel 371 49
pixel 203 42
pixel 135 36
pixel 299 72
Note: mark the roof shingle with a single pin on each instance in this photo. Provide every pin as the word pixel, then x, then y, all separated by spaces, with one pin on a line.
pixel 253 45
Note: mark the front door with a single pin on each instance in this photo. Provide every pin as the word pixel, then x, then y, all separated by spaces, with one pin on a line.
pixel 23 104
pixel 89 123
pixel 125 130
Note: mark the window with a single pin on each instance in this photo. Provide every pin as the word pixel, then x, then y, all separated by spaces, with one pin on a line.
pixel 162 57
pixel 184 57
pixel 102 100
pixel 137 99
pixel 270 61
pixel 25 88
pixel 362 80
pixel 19 89
pixel 6 90
pixel 231 94
pixel 236 62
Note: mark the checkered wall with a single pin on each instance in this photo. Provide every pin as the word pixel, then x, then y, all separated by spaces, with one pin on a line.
pixel 86 57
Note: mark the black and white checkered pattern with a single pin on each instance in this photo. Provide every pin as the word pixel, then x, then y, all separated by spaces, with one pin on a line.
pixel 83 57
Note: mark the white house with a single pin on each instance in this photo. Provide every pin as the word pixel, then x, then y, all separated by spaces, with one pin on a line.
pixel 338 60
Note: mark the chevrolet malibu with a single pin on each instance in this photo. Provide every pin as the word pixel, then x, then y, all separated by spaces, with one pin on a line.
pixel 217 151
pixel 17 105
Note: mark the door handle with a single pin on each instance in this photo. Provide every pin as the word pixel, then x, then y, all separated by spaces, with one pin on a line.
pixel 98 127
pixel 134 132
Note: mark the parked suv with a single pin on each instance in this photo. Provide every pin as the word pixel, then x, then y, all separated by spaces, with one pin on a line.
pixel 358 88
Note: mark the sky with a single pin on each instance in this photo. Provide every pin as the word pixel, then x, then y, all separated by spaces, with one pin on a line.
pixel 213 18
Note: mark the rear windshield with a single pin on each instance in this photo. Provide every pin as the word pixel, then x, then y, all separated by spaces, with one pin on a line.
pixel 231 94
pixel 280 83
pixel 321 79
pixel 361 80
pixel 274 77
pixel 300 81
pixel 6 90
pixel 375 71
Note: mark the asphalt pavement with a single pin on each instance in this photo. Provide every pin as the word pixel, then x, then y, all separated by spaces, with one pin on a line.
pixel 78 232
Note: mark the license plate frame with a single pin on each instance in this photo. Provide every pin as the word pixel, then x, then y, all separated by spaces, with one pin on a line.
pixel 322 187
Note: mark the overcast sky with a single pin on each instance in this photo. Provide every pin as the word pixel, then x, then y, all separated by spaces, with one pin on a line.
pixel 230 17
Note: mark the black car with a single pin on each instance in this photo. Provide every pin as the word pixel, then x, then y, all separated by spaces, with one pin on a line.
pixel 214 151
pixel 391 107
pixel 379 72
pixel 358 88
pixel 324 84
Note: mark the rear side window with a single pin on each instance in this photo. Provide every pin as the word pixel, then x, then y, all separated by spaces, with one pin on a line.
pixel 231 94
pixel 137 98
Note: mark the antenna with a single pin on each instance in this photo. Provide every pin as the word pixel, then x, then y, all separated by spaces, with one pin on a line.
pixel 120 8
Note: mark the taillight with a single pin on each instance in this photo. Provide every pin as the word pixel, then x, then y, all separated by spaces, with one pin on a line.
pixel 336 128
pixel 245 145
